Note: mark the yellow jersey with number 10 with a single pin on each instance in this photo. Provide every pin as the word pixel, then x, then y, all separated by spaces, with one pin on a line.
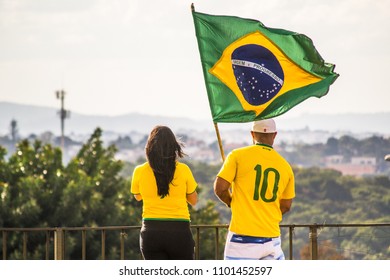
pixel 260 177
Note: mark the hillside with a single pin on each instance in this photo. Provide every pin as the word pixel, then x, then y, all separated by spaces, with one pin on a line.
pixel 38 119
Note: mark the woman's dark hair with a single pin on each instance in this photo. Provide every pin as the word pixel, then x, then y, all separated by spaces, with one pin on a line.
pixel 162 151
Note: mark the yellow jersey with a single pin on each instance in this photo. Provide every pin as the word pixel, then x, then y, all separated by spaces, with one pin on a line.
pixel 260 177
pixel 171 207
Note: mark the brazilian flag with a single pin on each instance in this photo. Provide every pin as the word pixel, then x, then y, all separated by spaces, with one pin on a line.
pixel 253 72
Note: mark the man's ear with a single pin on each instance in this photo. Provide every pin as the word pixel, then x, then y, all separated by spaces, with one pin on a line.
pixel 253 137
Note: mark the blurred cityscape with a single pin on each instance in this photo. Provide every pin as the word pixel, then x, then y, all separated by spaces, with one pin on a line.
pixel 302 147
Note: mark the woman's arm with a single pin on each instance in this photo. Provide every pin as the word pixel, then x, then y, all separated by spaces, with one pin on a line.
pixel 192 198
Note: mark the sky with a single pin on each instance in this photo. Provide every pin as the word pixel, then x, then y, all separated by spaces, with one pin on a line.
pixel 114 57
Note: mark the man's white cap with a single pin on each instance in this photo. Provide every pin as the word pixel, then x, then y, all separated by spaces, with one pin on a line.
pixel 264 126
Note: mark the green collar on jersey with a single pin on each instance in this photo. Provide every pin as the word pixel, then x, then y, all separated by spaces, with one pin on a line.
pixel 262 144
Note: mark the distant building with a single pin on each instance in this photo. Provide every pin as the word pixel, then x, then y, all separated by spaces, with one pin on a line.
pixel 130 155
pixel 357 166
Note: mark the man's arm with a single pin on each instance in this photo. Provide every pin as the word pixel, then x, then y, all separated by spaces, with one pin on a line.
pixel 222 190
pixel 285 205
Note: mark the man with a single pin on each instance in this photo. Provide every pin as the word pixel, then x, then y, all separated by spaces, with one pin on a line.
pixel 262 189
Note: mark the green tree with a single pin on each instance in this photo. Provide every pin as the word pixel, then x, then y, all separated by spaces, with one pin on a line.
pixel 31 188
pixel 96 195
pixel 332 146
pixel 34 185
pixel 94 183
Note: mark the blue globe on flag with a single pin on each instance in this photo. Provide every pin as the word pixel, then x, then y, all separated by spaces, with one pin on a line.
pixel 258 73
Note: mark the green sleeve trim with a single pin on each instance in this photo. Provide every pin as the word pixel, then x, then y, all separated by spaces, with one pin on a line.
pixel 193 191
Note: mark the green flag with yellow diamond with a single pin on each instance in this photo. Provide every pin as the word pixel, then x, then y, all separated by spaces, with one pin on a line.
pixel 254 72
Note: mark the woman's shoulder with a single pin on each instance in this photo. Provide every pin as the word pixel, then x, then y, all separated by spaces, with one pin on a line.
pixel 142 166
pixel 182 166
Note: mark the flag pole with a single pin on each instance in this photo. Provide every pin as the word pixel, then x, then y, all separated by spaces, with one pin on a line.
pixel 215 124
pixel 219 141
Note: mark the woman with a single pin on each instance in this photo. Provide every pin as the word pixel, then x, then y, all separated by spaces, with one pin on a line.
pixel 165 186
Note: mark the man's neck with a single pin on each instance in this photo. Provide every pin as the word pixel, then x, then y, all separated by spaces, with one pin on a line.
pixel 262 143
